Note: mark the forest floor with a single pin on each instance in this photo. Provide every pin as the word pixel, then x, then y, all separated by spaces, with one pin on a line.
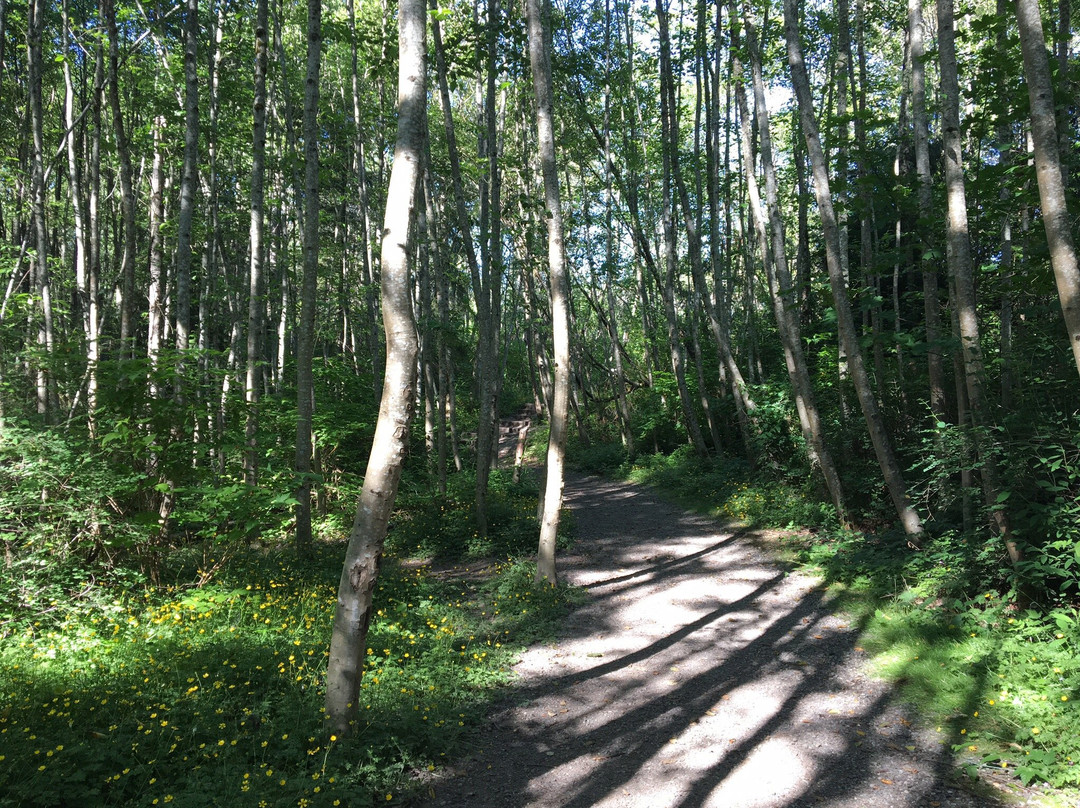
pixel 699 672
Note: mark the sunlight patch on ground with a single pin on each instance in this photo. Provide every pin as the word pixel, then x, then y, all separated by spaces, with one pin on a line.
pixel 774 773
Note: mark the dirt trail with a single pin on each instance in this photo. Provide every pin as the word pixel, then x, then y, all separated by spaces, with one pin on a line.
pixel 699 673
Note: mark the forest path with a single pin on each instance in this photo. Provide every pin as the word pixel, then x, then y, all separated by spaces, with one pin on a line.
pixel 698 673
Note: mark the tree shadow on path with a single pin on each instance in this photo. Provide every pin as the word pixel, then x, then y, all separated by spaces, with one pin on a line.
pixel 699 673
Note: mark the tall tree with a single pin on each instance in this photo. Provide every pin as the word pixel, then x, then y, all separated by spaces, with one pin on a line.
pixel 779 277
pixel 1049 170
pixel 305 345
pixel 921 136
pixel 887 460
pixel 670 159
pixel 621 406
pixel 490 282
pixel 189 177
pixel 127 186
pixel 256 245
pixel 35 23
pixel 352 615
pixel 958 256
pixel 540 58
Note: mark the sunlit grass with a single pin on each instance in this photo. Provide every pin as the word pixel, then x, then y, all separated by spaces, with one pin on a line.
pixel 213 695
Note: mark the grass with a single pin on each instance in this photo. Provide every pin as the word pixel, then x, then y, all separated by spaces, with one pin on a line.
pixel 190 695
pixel 1000 681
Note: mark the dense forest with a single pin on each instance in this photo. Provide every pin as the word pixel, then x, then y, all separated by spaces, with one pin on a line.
pixel 821 247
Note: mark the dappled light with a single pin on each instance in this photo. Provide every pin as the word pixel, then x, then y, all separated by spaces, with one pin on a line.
pixel 698 673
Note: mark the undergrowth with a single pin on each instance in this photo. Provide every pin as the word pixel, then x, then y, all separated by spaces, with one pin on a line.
pixel 207 689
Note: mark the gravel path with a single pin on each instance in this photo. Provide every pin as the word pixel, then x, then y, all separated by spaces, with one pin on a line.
pixel 698 673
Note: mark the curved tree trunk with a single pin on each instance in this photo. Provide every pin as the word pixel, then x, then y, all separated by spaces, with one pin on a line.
pixel 352 615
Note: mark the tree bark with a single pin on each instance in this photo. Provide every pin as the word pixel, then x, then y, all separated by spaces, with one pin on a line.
pixel 256 246
pixel 489 305
pixel 43 287
pixel 931 305
pixel 669 147
pixel 127 189
pixel 1049 170
pixel 79 217
pixel 540 58
pixel 958 256
pixel 481 291
pixel 305 346
pixel 352 615
pixel 890 466
pixel 155 336
pixel 190 176
pixel 780 283
pixel 367 259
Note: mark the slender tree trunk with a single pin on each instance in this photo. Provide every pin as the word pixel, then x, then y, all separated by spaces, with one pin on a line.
pixel 368 263
pixel 305 349
pixel 1049 170
pixel 127 189
pixel 79 217
pixel 958 249
pixel 780 284
pixel 802 249
pixel 540 58
pixel 440 377
pixel 43 286
pixel 841 66
pixel 481 291
pixel 352 615
pixel 256 247
pixel 871 277
pixel 488 314
pixel 610 266
pixel 95 315
pixel 887 460
pixel 189 178
pixel 931 304
pixel 670 145
pixel 156 323
pixel 902 254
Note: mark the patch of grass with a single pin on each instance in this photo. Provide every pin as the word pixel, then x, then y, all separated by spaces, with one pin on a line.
pixel 212 696
pixel 1001 683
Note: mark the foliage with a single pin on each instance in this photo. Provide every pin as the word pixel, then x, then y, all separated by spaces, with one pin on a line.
pixel 212 695
pixel 433 526
pixel 726 487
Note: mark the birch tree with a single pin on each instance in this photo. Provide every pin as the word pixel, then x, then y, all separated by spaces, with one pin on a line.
pixel 1049 170
pixel 890 466
pixel 352 614
pixel 540 58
